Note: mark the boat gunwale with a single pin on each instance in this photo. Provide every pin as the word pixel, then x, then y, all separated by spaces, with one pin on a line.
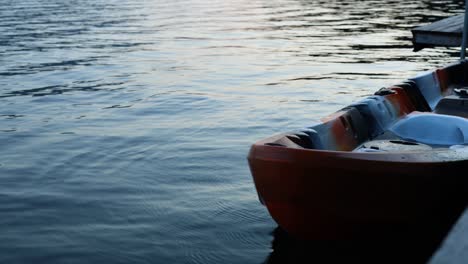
pixel 278 153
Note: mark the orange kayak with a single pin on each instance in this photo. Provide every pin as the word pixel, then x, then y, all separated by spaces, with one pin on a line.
pixel 393 162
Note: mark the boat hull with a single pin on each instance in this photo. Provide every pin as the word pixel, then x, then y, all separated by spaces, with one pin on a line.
pixel 336 195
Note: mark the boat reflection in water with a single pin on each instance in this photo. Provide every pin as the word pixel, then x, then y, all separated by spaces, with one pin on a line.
pixel 403 247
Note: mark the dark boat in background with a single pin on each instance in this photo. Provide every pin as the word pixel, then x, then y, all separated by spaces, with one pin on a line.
pixel 393 162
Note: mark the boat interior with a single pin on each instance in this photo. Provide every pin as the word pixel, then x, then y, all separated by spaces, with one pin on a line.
pixel 426 113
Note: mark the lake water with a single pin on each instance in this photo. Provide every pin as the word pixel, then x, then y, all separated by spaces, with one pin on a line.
pixel 125 125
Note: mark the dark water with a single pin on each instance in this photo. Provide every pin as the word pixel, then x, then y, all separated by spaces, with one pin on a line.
pixel 125 125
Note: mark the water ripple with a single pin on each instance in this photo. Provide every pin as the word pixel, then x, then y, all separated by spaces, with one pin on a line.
pixel 124 125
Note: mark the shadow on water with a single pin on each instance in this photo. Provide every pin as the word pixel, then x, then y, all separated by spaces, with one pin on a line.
pixel 404 247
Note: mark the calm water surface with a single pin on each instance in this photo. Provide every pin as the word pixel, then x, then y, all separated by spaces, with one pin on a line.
pixel 125 125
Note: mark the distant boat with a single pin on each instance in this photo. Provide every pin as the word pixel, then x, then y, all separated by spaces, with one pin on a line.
pixel 397 160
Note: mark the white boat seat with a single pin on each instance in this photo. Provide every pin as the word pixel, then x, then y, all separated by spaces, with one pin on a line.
pixel 433 129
